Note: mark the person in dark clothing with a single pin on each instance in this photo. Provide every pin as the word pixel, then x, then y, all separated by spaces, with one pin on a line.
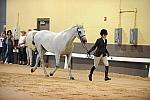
pixel 10 46
pixel 4 45
pixel 101 53
pixel 1 46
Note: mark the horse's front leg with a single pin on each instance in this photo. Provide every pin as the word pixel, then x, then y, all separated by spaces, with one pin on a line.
pixel 66 62
pixel 57 58
pixel 69 66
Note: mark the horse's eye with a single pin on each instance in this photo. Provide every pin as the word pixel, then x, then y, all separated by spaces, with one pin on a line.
pixel 79 32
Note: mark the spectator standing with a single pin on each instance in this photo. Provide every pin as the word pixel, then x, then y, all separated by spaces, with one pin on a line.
pixel 10 46
pixel 4 45
pixel 1 47
pixel 22 48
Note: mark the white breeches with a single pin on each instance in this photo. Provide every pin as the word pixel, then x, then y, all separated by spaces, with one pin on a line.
pixel 101 58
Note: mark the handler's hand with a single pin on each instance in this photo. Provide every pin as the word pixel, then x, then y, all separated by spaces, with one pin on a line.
pixel 108 54
pixel 88 53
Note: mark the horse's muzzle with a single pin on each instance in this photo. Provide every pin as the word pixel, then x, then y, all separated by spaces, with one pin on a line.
pixel 84 40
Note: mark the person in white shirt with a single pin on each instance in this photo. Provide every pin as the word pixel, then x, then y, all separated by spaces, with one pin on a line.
pixel 1 46
pixel 22 48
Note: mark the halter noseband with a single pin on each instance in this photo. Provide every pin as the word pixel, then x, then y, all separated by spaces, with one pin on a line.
pixel 83 45
pixel 79 32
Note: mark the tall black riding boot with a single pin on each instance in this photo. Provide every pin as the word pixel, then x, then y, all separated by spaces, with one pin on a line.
pixel 91 72
pixel 106 73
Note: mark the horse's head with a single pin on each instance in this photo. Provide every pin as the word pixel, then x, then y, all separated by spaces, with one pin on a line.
pixel 81 34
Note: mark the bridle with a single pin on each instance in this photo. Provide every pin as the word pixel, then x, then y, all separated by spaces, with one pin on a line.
pixel 83 45
pixel 79 34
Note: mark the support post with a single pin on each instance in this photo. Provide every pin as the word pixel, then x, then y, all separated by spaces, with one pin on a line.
pixel 148 70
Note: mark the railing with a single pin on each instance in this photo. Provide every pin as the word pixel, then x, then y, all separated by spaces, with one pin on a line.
pixel 146 61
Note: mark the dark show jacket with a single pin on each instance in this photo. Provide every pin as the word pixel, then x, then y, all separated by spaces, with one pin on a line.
pixel 101 48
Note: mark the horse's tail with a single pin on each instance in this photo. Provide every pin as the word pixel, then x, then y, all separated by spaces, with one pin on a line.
pixel 30 40
pixel 33 43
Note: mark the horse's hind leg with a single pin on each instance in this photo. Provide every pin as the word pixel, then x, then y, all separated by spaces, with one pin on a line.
pixel 40 55
pixel 42 61
pixel 69 66
pixel 30 57
pixel 36 64
pixel 57 58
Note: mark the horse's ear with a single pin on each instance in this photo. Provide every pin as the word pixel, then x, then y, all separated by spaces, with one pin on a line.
pixel 76 25
pixel 80 26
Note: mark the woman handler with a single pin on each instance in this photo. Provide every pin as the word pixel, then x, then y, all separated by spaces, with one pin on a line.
pixel 100 54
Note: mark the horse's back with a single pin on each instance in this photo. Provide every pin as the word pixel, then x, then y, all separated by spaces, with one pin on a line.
pixel 45 38
pixel 44 35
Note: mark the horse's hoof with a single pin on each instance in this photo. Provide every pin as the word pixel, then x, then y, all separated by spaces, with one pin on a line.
pixel 90 77
pixel 31 65
pixel 51 74
pixel 72 78
pixel 46 75
pixel 32 70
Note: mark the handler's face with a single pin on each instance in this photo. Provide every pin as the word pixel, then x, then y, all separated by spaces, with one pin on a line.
pixel 104 36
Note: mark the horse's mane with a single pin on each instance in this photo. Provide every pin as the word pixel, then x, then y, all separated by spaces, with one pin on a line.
pixel 79 26
pixel 65 30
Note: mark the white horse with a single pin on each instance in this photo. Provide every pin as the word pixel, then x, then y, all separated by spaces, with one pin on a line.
pixel 30 46
pixel 58 43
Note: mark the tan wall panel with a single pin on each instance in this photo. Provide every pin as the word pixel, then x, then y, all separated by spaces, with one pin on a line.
pixel 90 13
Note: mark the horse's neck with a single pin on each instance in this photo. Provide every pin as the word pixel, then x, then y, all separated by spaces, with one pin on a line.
pixel 69 35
